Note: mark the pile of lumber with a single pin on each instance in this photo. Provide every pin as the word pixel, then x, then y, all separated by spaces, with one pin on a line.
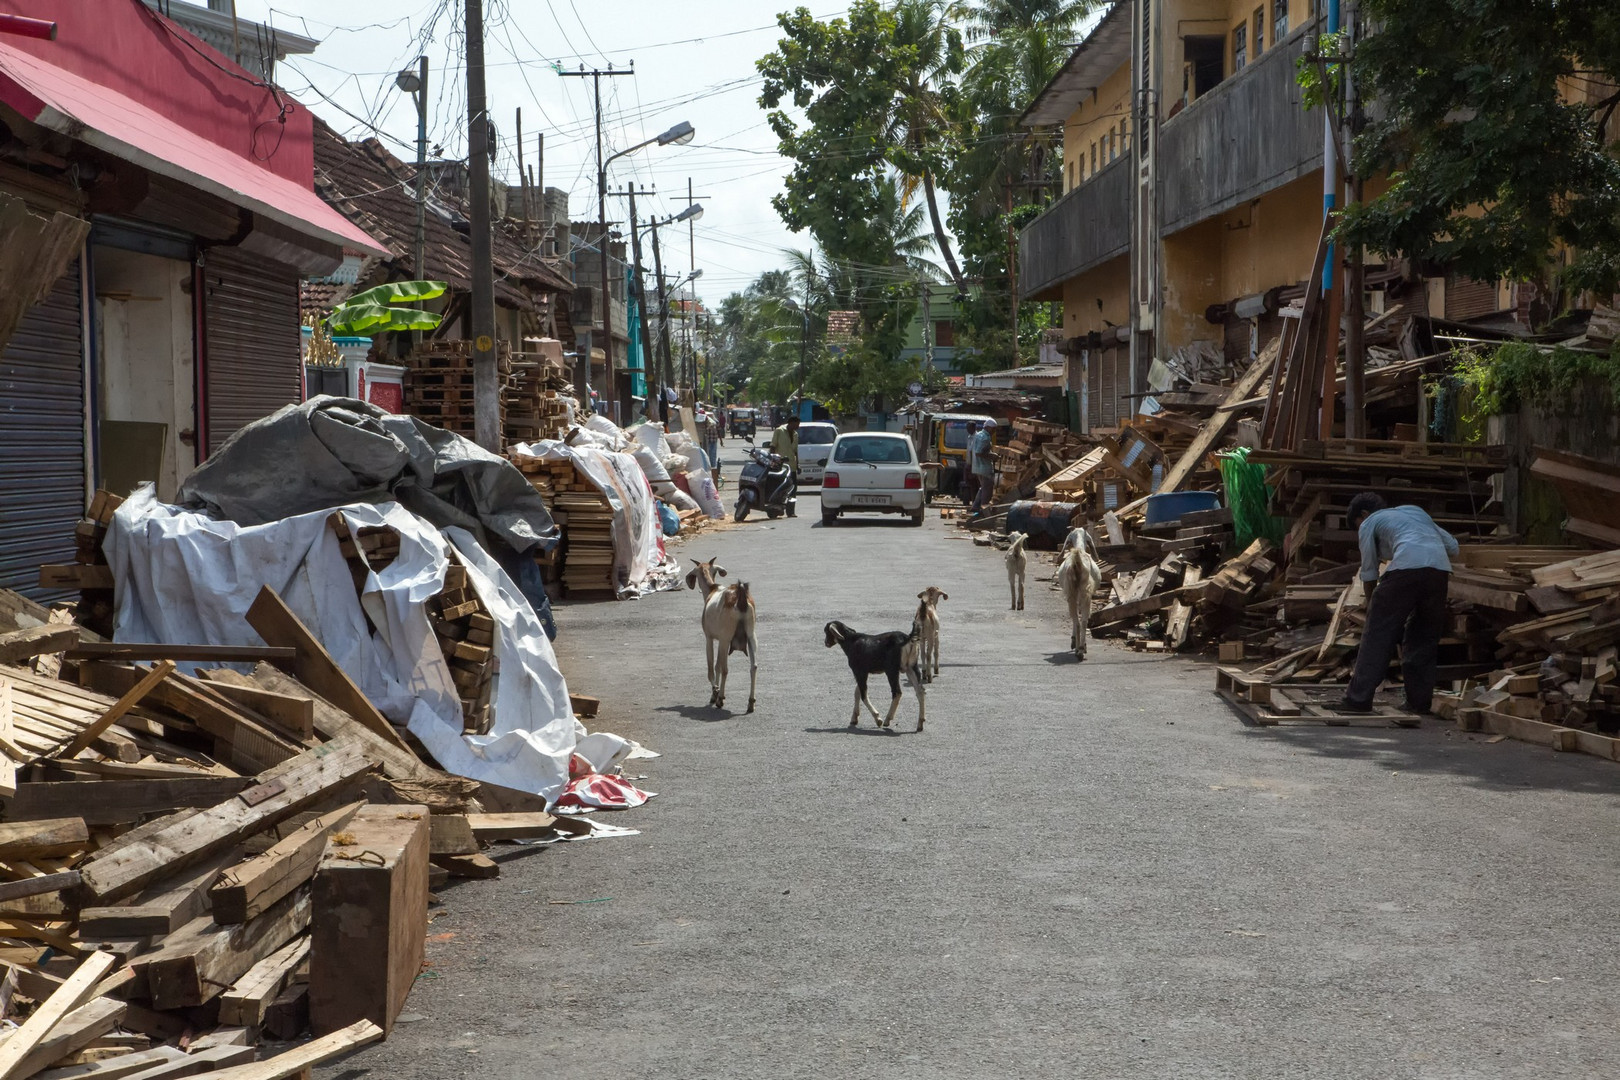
pixel 583 562
pixel 1183 597
pixel 1036 449
pixel 89 572
pixel 439 384
pixel 466 633
pixel 196 866
pixel 535 405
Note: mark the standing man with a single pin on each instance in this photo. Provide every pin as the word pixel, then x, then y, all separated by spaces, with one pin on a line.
pixel 1407 606
pixel 785 442
pixel 984 463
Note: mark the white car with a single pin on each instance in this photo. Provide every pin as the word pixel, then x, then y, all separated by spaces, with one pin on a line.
pixel 872 472
pixel 815 445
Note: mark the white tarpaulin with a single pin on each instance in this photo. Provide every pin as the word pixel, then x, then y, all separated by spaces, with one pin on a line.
pixel 186 579
pixel 638 546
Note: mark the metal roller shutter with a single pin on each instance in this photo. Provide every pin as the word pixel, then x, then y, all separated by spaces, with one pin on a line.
pixel 1110 387
pixel 253 360
pixel 42 438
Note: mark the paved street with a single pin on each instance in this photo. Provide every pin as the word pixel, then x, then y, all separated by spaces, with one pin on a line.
pixel 1077 870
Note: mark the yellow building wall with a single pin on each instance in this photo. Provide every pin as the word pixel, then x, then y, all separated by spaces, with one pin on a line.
pixel 1099 130
pixel 1212 18
pixel 1191 275
pixel 1109 284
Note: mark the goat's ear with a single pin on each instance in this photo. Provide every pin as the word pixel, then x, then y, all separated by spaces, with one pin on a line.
pixel 923 595
pixel 720 570
pixel 691 580
pixel 944 596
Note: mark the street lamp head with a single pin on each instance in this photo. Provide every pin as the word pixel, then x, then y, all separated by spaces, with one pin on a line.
pixel 679 135
pixel 408 81
pixel 696 274
pixel 691 213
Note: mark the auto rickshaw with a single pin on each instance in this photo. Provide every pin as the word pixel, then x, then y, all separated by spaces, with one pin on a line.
pixel 741 423
pixel 944 440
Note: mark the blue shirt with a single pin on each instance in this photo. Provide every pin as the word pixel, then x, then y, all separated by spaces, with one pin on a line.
pixel 983 463
pixel 1408 538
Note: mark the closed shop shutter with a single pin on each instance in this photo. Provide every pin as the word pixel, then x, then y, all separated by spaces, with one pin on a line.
pixel 1110 387
pixel 42 439
pixel 1467 298
pixel 254 363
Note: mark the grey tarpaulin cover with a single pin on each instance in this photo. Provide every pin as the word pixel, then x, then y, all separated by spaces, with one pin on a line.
pixel 333 451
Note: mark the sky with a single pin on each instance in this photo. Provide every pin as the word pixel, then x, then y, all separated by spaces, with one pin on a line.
pixel 692 62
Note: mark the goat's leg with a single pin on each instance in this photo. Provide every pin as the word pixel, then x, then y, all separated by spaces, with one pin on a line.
pixel 1082 620
pixel 864 700
pixel 934 651
pixel 855 713
pixel 1012 586
pixel 1020 588
pixel 753 666
pixel 709 646
pixel 894 695
pixel 722 665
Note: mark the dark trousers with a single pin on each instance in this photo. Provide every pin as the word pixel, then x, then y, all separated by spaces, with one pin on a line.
pixel 1408 609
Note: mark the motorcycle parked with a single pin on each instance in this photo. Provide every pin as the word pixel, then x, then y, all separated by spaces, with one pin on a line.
pixel 766 484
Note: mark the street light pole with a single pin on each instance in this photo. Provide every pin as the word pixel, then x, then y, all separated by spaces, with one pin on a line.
pixel 481 317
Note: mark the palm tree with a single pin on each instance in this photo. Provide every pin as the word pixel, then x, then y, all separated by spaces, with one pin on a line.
pixel 932 53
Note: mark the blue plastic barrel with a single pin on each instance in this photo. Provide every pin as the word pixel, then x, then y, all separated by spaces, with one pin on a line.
pixel 1165 508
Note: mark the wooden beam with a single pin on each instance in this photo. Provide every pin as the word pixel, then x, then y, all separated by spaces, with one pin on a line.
pixel 135 650
pixel 398 763
pixel 75 1031
pixel 131 698
pixel 510 826
pixel 370 918
pixel 202 959
pixel 278 794
pixel 1214 428
pixel 293 713
pixel 47 883
pixel 311 1053
pixel 52 836
pixel 102 802
pixel 79 988
pixel 246 1002
pixel 250 888
pixel 117 1068
pixel 76 576
pixel 314 666
pixel 161 909
pixel 449 834
pixel 17 646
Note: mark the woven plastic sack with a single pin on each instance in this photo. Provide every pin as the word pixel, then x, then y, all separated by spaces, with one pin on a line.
pixel 1249 498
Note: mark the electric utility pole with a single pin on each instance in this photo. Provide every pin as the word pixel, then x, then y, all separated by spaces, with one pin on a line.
pixel 595 75
pixel 663 310
pixel 481 317
pixel 689 330
pixel 648 368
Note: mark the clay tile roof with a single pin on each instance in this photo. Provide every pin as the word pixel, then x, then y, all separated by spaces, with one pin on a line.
pixel 374 189
pixel 843 325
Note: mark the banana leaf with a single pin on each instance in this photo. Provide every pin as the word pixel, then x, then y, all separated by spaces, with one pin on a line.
pixel 375 312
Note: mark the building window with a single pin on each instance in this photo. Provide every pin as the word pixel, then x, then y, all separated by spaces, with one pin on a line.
pixel 1122 145
pixel 1093 157
pixel 1240 48
pixel 1259 31
pixel 945 333
pixel 1071 176
pixel 1279 20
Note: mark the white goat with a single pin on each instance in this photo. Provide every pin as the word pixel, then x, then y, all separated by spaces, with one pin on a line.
pixel 1079 576
pixel 1017 563
pixel 728 627
pixel 926 623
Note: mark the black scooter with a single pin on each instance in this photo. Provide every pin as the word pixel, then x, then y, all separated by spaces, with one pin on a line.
pixel 766 484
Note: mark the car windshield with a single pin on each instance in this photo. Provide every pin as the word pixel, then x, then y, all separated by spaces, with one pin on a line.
pixel 956 434
pixel 874 448
pixel 816 434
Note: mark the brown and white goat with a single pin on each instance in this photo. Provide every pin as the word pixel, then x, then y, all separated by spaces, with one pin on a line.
pixel 926 623
pixel 728 627
pixel 1079 576
pixel 1017 563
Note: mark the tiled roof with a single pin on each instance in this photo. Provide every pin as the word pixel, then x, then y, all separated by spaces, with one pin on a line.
pixel 319 297
pixel 374 189
pixel 843 325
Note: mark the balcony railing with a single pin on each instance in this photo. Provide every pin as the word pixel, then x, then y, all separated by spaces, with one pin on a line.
pixel 1247 136
pixel 1084 229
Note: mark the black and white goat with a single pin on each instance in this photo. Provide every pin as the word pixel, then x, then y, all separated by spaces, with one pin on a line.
pixel 889 653
pixel 728 627
pixel 1079 575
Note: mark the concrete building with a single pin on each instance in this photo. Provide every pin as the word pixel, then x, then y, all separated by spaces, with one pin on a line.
pixel 931 334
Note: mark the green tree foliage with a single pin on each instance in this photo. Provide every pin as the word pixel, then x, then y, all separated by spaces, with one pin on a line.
pixel 1491 118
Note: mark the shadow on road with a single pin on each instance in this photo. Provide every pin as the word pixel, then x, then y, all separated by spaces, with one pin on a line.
pixel 861 730
pixel 706 713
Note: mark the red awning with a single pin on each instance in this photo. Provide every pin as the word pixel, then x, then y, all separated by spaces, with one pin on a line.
pixel 121 126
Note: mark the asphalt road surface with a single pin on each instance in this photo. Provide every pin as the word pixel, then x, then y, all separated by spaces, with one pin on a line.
pixel 1086 870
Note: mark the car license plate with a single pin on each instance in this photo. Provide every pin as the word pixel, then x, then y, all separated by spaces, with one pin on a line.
pixel 871 500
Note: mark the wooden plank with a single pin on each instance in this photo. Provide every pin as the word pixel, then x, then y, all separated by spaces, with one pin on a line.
pixel 129 651
pixel 293 713
pixel 511 826
pixel 78 989
pixel 129 1065
pixel 313 665
pixel 75 1031
pixel 333 723
pixel 102 802
pixel 246 1002
pixel 449 834
pixel 278 794
pixel 131 698
pixel 201 959
pixel 256 884
pixel 50 836
pixel 252 744
pixel 370 918
pixel 76 576
pixel 476 866
pixel 36 886
pixel 16 646
pixel 1215 427
pixel 1531 731
pixel 161 909
pixel 311 1053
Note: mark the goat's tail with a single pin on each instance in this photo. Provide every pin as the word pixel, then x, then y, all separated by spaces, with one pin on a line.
pixel 744 597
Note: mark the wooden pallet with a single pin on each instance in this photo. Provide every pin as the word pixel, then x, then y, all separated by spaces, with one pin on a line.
pixel 1265 704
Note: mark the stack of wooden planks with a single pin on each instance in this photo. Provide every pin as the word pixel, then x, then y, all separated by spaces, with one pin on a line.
pixel 584 563
pixel 195 867
pixel 466 634
pixel 439 383
pixel 89 572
